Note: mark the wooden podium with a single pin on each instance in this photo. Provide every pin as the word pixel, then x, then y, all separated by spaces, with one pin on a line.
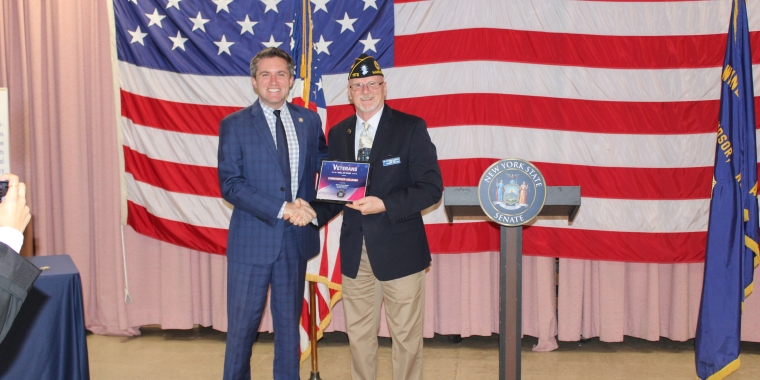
pixel 463 201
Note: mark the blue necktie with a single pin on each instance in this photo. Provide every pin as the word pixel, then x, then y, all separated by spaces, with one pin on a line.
pixel 282 151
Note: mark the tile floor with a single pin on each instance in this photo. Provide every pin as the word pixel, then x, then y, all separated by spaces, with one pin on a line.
pixel 199 354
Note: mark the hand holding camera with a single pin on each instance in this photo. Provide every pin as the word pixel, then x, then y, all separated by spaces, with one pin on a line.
pixel 13 209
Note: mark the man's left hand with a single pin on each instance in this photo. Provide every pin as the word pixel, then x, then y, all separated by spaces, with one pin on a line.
pixel 368 205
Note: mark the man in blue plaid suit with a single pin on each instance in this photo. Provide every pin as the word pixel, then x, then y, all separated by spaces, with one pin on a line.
pixel 268 155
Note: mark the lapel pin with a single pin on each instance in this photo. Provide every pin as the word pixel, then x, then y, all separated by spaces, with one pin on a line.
pixel 300 120
pixel 349 131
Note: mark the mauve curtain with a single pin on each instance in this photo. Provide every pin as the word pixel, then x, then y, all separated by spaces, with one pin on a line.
pixel 55 58
pixel 57 67
pixel 610 299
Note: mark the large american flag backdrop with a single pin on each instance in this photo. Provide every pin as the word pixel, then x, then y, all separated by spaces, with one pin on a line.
pixel 620 98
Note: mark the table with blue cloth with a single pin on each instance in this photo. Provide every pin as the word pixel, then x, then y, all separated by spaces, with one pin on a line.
pixel 47 339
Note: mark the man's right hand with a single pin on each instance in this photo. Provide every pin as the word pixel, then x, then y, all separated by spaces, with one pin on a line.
pixel 13 210
pixel 299 212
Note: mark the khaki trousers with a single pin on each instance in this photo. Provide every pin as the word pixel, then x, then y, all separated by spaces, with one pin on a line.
pixel 404 312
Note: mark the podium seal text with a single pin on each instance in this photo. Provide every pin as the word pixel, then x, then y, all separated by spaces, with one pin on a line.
pixel 512 192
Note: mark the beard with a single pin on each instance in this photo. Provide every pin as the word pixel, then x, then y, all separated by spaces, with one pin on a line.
pixel 371 107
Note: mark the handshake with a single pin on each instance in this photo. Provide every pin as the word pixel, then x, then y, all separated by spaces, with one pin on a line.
pixel 299 212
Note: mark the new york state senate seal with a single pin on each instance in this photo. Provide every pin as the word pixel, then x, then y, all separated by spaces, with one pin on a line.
pixel 512 192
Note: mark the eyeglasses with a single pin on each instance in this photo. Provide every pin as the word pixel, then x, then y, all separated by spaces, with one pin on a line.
pixel 372 86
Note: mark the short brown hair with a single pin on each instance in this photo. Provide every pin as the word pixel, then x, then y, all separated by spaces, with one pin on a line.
pixel 269 53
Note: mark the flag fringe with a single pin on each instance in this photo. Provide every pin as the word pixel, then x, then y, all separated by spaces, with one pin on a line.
pixel 751 244
pixel 323 280
pixel 725 371
pixel 324 323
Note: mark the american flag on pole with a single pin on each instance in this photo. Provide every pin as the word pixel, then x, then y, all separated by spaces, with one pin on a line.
pixel 325 269
pixel 620 98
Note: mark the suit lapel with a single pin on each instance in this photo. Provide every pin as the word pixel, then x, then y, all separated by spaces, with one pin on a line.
pixel 262 128
pixel 351 139
pixel 383 131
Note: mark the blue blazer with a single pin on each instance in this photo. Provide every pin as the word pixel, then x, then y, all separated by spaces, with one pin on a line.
pixel 252 180
pixel 396 242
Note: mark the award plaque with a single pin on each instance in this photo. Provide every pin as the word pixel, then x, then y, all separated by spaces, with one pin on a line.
pixel 342 182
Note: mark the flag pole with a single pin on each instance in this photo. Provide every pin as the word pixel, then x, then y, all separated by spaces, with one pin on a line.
pixel 313 330
pixel 305 73
pixel 306 51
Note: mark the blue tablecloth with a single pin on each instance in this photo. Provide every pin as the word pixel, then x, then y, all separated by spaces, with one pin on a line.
pixel 47 339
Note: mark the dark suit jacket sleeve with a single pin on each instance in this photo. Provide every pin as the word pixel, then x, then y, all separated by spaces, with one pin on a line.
pixel 322 152
pixel 327 211
pixel 427 187
pixel 16 278
pixel 240 192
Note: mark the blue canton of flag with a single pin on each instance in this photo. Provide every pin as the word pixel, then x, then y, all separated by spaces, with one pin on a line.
pixel 343 30
pixel 200 37
pixel 220 37
pixel 732 249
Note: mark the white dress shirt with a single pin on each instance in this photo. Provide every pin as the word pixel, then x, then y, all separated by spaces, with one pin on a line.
pixel 12 238
pixel 290 133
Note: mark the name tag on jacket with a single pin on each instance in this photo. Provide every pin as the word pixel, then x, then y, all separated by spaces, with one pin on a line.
pixel 392 161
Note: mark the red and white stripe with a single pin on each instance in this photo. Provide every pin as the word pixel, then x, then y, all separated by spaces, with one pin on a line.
pixel 619 98
pixel 626 109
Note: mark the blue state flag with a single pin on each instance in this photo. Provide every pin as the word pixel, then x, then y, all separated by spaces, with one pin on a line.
pixel 732 249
